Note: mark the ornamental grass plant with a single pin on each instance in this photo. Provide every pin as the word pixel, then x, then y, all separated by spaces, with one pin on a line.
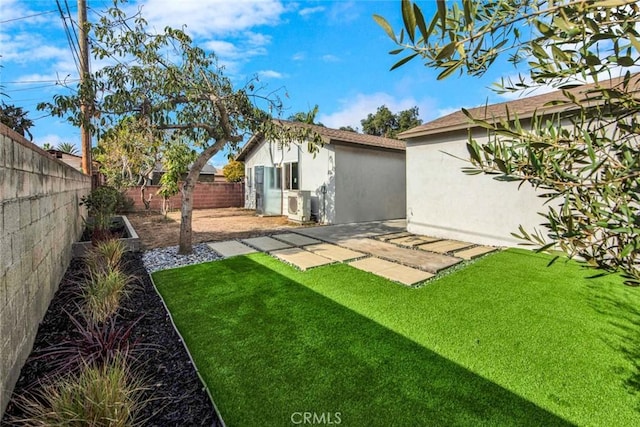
pixel 107 395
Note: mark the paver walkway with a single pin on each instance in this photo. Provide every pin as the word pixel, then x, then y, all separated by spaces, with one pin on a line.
pixel 231 248
pixel 296 239
pixel 382 248
pixel 266 244
pixel 391 270
pixel 427 261
pixel 334 252
pixel 301 258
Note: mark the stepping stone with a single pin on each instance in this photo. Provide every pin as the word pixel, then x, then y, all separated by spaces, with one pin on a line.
pixel 413 240
pixel 301 258
pixel 296 239
pixel 387 237
pixel 474 252
pixel 334 252
pixel 423 260
pixel 392 271
pixel 231 248
pixel 266 244
pixel 445 246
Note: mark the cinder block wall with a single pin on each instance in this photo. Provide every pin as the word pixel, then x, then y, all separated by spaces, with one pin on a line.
pixel 206 195
pixel 40 217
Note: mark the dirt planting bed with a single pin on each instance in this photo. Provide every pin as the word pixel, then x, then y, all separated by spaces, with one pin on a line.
pixel 208 225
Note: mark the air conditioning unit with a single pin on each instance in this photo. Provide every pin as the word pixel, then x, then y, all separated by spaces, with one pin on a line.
pixel 299 203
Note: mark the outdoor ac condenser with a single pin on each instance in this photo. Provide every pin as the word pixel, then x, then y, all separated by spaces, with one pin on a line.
pixel 299 203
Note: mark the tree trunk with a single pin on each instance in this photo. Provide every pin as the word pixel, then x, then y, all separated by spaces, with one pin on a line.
pixel 185 246
pixel 146 202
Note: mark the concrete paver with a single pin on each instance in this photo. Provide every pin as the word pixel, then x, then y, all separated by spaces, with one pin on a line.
pixel 296 239
pixel 301 258
pixel 266 244
pixel 231 248
pixel 423 260
pixel 387 237
pixel 413 240
pixel 334 252
pixel 445 246
pixel 391 270
pixel 474 252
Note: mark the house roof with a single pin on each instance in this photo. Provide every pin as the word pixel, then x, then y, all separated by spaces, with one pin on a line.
pixel 330 136
pixel 523 108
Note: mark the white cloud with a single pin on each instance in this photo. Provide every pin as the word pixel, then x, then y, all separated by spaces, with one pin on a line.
pixel 311 10
pixel 344 11
pixel 356 108
pixel 330 58
pixel 298 56
pixel 271 74
pixel 206 18
pixel 30 47
pixel 441 112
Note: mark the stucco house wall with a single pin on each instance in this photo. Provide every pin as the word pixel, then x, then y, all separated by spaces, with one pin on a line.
pixel 370 185
pixel 349 181
pixel 442 201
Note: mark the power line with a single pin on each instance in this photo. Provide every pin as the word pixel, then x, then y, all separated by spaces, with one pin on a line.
pixel 19 82
pixel 27 16
pixel 74 51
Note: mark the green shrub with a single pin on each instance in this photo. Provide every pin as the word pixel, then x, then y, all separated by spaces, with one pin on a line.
pixel 108 395
pixel 101 205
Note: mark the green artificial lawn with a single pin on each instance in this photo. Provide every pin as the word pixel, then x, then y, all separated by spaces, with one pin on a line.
pixel 504 341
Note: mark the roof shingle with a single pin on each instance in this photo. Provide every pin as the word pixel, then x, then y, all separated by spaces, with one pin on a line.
pixel 332 136
pixel 523 108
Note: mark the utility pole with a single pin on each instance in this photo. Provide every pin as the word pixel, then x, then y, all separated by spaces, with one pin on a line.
pixel 85 103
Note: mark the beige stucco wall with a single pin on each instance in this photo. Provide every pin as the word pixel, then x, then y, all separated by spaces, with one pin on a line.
pixel 444 202
pixel 370 184
pixel 40 217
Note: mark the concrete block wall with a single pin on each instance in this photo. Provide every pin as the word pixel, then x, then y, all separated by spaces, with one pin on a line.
pixel 40 217
pixel 206 195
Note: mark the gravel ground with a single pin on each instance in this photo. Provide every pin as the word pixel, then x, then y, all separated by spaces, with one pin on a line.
pixel 165 258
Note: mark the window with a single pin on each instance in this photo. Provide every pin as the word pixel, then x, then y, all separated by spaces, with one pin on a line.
pixel 276 178
pixel 291 179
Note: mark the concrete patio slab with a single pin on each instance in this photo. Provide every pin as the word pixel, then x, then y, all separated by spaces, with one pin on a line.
pixel 231 248
pixel 474 252
pixel 266 244
pixel 301 258
pixel 336 233
pixel 296 239
pixel 423 260
pixel 392 271
pixel 445 246
pixel 413 240
pixel 334 252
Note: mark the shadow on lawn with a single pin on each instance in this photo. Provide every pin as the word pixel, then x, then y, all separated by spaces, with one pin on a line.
pixel 288 350
pixel 625 337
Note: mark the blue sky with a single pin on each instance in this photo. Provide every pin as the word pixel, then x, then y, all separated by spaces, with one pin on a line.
pixel 329 53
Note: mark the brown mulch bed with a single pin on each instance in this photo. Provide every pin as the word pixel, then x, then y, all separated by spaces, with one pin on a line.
pixel 209 225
